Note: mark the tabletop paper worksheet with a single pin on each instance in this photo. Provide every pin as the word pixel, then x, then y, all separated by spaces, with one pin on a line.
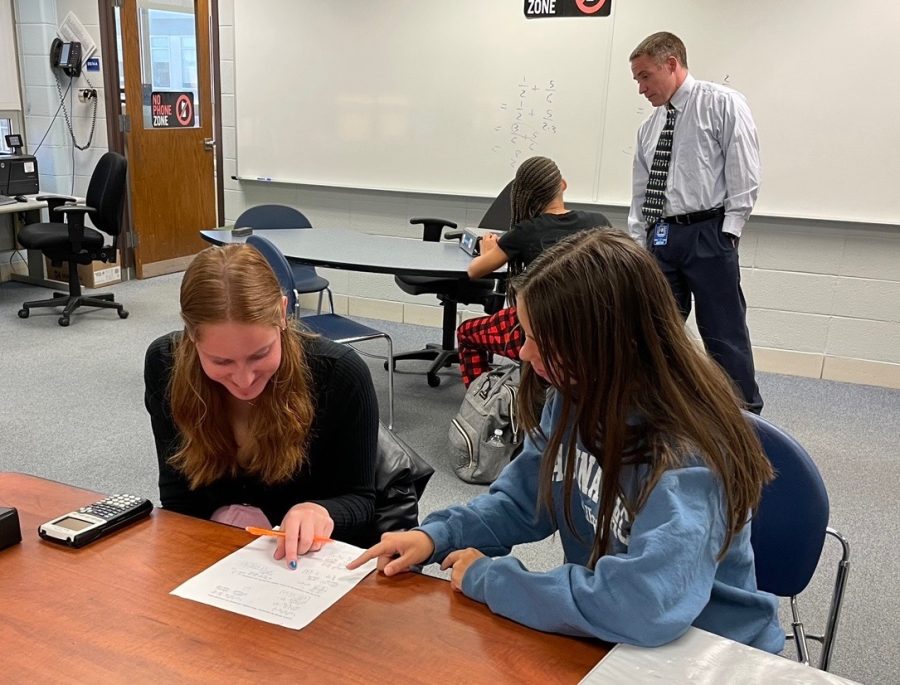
pixel 250 582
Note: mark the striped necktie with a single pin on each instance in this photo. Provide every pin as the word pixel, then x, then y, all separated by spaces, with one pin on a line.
pixel 655 197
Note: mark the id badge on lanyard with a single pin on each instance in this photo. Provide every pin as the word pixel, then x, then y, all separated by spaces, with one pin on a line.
pixel 660 234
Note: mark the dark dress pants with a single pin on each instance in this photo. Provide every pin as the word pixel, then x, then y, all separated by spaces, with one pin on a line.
pixel 700 260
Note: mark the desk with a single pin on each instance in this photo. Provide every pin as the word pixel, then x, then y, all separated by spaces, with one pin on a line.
pixel 341 248
pixel 30 213
pixel 103 614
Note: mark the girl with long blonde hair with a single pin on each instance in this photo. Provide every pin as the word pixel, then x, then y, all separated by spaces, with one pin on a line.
pixel 249 412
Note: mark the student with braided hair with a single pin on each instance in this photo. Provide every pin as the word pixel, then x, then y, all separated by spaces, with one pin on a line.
pixel 539 219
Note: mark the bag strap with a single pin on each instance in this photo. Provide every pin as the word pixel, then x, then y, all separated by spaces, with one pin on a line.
pixel 494 377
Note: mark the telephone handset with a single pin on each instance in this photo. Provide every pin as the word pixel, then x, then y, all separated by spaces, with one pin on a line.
pixel 66 56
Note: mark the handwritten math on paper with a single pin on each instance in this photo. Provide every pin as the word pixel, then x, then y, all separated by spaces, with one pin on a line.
pixel 250 582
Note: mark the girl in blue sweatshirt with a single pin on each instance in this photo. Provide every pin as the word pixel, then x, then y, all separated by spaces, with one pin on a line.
pixel 641 461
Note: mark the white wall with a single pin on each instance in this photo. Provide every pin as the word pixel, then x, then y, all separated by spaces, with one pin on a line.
pixel 36 22
pixel 9 83
pixel 823 298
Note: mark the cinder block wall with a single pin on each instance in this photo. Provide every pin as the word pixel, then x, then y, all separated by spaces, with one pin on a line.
pixel 823 297
pixel 60 170
pixel 36 22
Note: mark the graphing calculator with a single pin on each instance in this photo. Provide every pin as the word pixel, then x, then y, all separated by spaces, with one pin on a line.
pixel 78 528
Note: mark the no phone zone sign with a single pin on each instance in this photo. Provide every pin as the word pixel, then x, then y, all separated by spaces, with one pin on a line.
pixel 549 9
pixel 172 110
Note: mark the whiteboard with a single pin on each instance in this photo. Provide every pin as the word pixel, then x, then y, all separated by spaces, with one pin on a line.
pixel 416 95
pixel 447 98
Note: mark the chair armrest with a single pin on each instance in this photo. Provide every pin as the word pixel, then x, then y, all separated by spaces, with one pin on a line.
pixel 47 198
pixel 74 209
pixel 54 201
pixel 432 227
pixel 74 217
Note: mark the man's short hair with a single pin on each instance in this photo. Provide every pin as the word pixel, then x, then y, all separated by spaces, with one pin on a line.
pixel 660 46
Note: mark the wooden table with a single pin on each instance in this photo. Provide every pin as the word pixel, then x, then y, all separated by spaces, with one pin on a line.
pixel 104 614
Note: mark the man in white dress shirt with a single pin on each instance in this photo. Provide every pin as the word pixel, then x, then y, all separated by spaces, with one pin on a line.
pixel 695 180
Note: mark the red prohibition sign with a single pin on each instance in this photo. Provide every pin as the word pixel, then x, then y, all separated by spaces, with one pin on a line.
pixel 184 109
pixel 585 8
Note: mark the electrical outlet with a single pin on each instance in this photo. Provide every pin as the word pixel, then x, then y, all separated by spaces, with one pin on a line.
pixel 87 94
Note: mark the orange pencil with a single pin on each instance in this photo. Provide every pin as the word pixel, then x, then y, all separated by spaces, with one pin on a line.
pixel 279 533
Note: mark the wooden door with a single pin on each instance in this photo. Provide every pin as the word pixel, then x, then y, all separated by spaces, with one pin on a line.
pixel 169 135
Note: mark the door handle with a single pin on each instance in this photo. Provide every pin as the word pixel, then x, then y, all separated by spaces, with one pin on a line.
pixel 209 143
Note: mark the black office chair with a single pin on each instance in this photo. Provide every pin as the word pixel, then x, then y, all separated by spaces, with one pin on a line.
pixel 452 292
pixel 75 243
pixel 306 278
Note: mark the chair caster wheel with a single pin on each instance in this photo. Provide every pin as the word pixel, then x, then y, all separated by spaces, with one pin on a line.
pixel 63 321
pixel 123 314
pixel 433 380
pixel 23 313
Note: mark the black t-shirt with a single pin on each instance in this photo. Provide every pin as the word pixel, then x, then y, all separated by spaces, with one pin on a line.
pixel 340 470
pixel 528 238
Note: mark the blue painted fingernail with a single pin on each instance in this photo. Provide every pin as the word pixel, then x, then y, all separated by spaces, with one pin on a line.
pixel 293 565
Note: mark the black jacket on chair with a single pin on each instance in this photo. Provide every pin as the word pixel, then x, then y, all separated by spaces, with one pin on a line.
pixel 400 479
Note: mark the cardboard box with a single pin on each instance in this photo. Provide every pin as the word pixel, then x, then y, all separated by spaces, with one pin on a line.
pixel 93 275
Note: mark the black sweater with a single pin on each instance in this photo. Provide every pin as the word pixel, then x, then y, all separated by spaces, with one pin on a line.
pixel 528 238
pixel 340 470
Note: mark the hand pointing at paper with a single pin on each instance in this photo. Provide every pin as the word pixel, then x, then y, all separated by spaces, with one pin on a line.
pixel 305 527
pixel 397 552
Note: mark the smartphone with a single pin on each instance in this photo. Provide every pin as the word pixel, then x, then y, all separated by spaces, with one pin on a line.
pixel 78 528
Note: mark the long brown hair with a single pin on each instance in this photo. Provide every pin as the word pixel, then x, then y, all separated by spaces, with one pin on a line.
pixel 235 284
pixel 615 345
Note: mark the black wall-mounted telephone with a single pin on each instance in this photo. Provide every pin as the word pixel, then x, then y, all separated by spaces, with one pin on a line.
pixel 66 56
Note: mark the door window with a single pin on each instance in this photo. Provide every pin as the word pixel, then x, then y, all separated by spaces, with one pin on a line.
pixel 168 42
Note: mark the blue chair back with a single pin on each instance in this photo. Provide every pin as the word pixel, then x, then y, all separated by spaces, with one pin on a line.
pixel 788 530
pixel 272 216
pixel 266 217
pixel 279 265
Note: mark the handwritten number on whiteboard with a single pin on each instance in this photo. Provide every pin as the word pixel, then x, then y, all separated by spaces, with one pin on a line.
pixel 519 138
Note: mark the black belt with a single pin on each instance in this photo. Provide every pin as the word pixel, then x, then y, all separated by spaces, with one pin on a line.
pixel 694 217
